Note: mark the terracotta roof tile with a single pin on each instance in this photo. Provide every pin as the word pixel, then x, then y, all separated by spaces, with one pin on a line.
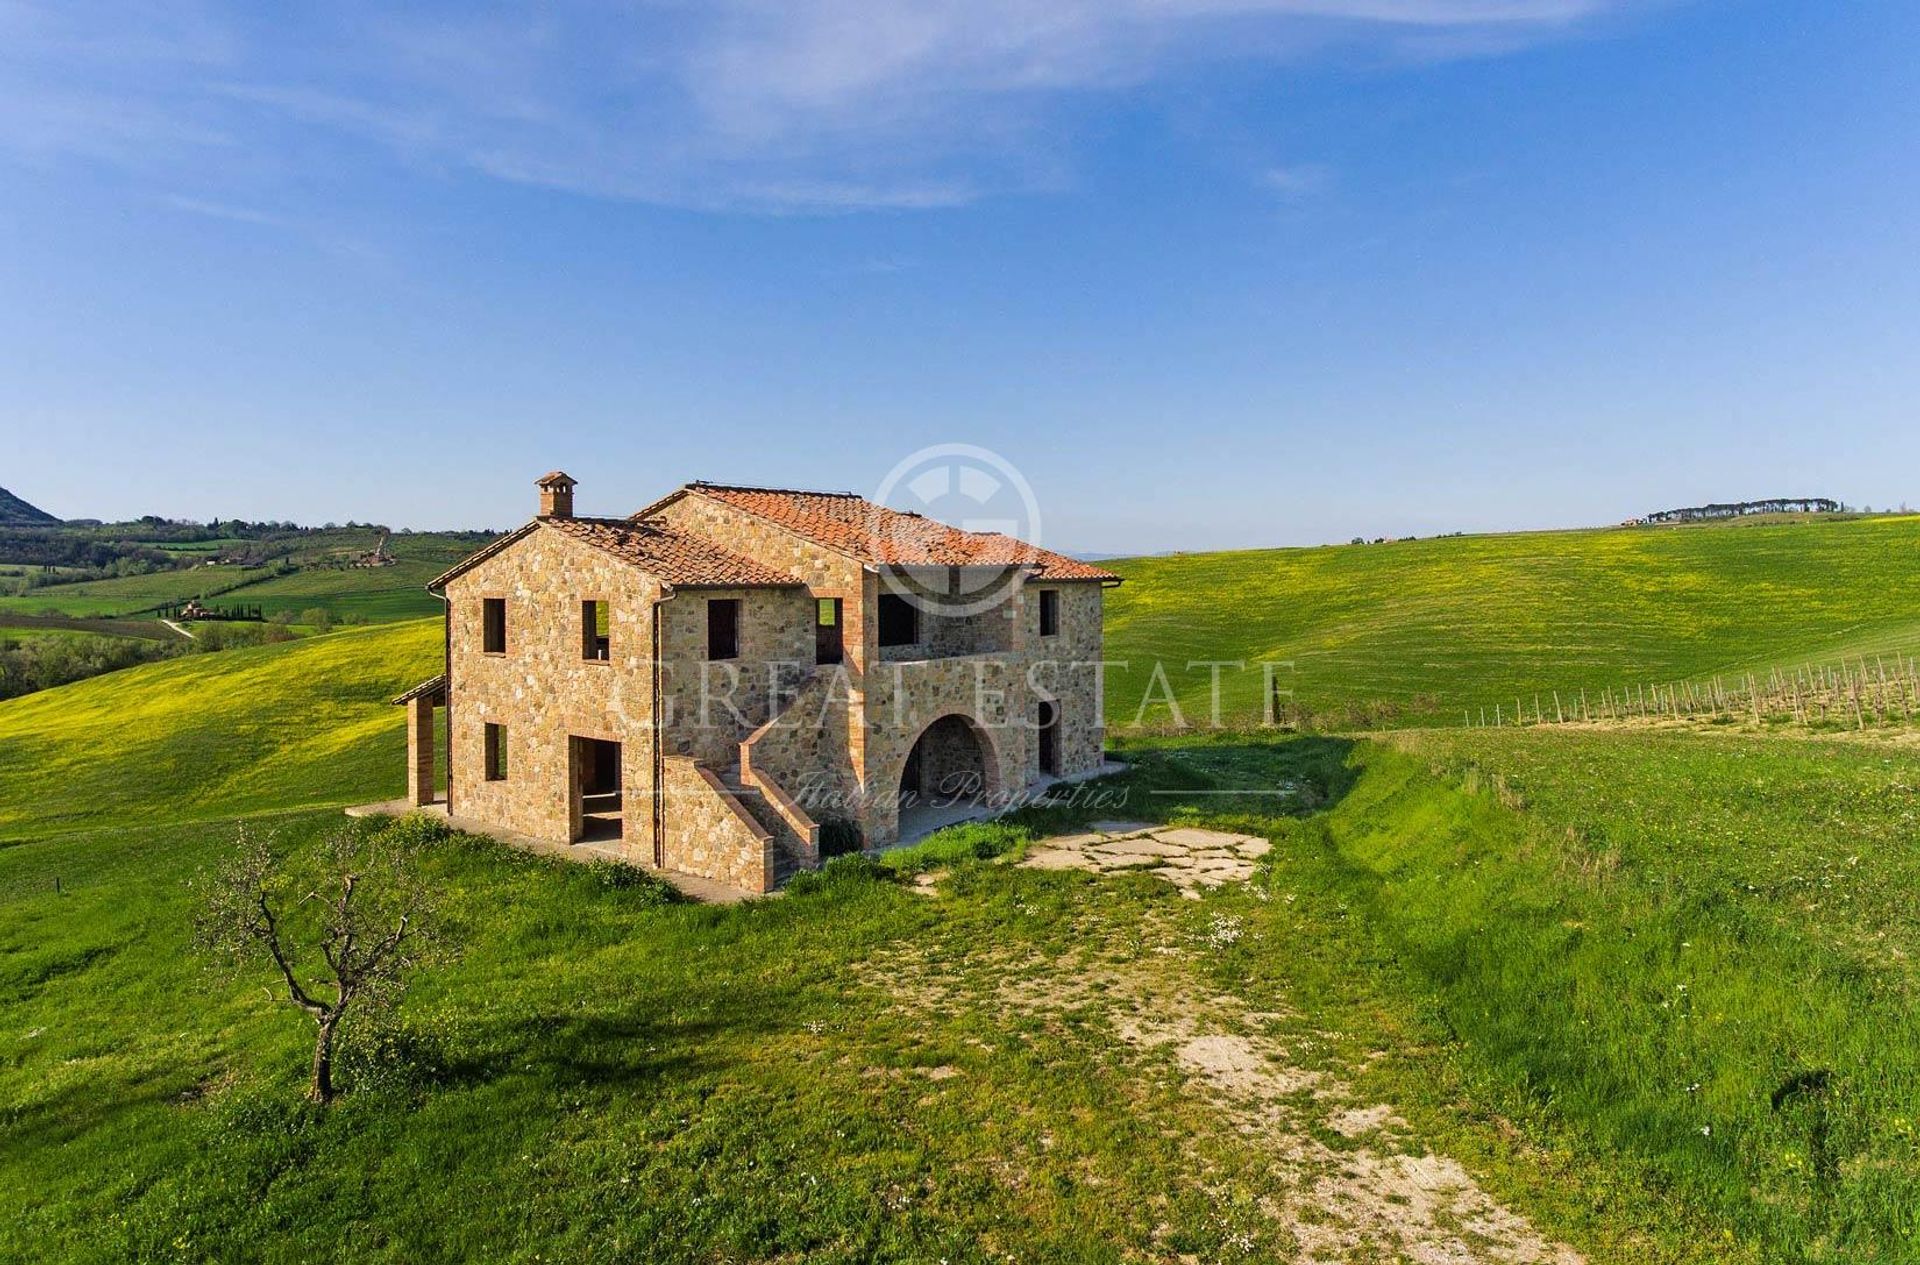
pixel 878 535
pixel 436 686
pixel 677 557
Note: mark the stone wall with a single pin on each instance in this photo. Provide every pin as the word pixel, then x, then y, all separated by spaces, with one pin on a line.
pixel 710 834
pixel 954 760
pixel 942 635
pixel 543 690
pixel 825 572
pixel 1061 667
pixel 1001 694
pixel 807 750
pixel 711 707
pixel 905 698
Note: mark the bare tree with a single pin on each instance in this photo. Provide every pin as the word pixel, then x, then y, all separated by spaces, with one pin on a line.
pixel 365 915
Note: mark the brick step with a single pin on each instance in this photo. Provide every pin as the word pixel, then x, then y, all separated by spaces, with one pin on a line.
pixel 755 802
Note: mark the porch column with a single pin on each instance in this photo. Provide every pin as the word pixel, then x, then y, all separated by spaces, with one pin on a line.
pixel 420 749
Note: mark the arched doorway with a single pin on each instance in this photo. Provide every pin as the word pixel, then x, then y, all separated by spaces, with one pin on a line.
pixel 949 775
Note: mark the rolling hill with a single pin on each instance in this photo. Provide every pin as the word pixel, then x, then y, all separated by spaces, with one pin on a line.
pixel 299 723
pixel 1495 931
pixel 293 571
pixel 15 512
pixel 1422 630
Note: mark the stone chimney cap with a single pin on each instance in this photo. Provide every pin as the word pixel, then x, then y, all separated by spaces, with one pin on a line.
pixel 556 478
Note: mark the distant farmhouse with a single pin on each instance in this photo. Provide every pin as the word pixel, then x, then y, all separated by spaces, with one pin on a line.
pixel 708 684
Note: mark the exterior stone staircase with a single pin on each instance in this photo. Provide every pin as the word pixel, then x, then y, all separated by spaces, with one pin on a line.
pixel 795 834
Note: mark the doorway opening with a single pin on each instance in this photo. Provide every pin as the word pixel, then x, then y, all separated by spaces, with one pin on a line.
pixel 1048 722
pixel 596 782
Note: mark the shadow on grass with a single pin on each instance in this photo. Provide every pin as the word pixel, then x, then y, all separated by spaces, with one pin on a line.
pixel 603 1050
pixel 1239 781
pixel 1227 777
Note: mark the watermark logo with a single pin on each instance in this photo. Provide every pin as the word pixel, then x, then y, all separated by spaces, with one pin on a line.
pixel 964 486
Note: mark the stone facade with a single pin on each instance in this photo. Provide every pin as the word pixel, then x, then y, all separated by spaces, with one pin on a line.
pixel 543 692
pixel 710 707
pixel 728 769
pixel 710 833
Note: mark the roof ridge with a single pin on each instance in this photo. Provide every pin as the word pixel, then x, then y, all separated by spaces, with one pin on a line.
pixel 761 487
pixel 602 520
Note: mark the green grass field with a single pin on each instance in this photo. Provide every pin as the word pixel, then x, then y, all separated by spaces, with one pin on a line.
pixel 377 595
pixel 1693 953
pixel 132 594
pixel 1432 628
pixel 19 632
pixel 13 624
pixel 322 580
pixel 1654 990
pixel 307 722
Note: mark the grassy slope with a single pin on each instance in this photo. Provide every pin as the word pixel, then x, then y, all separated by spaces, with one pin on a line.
pixel 604 1080
pixel 375 594
pixel 1566 1010
pixel 1438 626
pixel 372 593
pixel 305 722
pixel 1521 970
pixel 593 1074
pixel 1644 958
pixel 133 594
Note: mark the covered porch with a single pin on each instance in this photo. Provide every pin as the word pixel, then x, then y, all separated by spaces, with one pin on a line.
pixel 425 703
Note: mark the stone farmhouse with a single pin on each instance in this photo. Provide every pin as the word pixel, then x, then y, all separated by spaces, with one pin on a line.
pixel 707 685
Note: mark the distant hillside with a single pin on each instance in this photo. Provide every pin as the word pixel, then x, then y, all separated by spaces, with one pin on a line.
pixel 1429 629
pixel 17 513
pixel 303 722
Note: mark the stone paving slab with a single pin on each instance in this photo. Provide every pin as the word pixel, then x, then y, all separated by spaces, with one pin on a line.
pixel 1194 837
pixel 1189 857
pixel 1141 846
pixel 1055 859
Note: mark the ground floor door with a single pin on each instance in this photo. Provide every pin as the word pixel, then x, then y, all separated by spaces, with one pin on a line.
pixel 595 777
pixel 1048 722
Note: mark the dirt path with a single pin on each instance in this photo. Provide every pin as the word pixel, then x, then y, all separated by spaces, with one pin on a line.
pixel 1360 1186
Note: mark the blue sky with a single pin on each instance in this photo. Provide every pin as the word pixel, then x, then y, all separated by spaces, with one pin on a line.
pixel 1207 272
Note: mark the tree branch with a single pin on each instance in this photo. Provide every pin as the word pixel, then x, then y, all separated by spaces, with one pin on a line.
pixel 270 935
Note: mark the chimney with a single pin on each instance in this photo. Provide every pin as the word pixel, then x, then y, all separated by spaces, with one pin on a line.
pixel 556 495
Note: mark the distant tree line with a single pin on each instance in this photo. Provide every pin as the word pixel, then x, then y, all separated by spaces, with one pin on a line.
pixel 40 663
pixel 103 550
pixel 54 547
pixel 1737 509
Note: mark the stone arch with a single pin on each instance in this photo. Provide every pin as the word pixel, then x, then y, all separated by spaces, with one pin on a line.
pixel 953 754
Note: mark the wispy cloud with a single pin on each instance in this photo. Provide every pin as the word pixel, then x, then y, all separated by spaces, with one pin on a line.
pixel 223 211
pixel 777 105
pixel 1297 183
